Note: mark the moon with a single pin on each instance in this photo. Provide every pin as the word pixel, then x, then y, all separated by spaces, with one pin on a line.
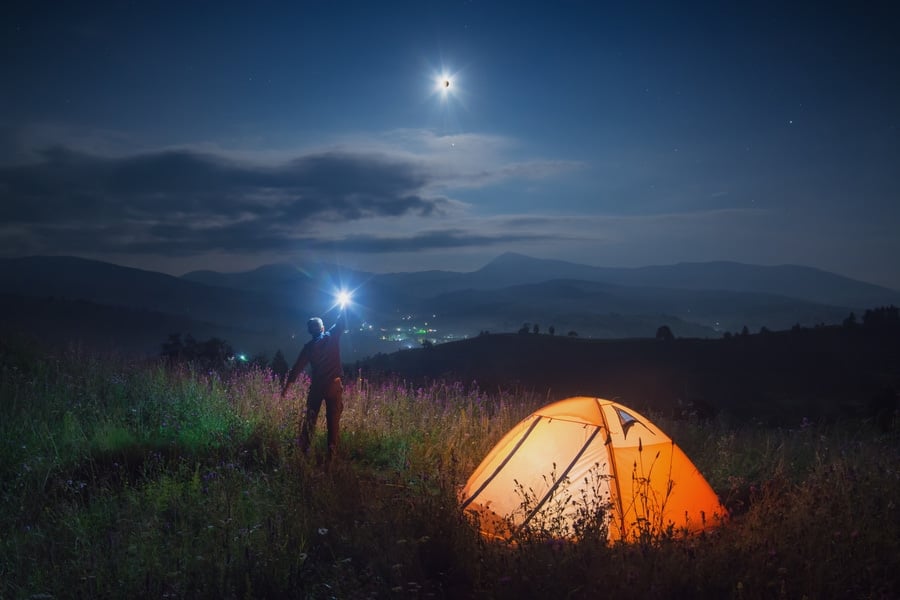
pixel 448 86
pixel 443 82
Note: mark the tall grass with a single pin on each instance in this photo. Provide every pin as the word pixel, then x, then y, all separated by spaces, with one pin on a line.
pixel 124 479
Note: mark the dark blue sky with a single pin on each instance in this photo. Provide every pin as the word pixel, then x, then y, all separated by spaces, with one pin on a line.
pixel 186 135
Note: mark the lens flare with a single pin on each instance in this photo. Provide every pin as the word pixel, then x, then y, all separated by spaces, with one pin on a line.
pixel 343 298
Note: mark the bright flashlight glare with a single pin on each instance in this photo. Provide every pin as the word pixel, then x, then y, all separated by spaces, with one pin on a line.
pixel 343 298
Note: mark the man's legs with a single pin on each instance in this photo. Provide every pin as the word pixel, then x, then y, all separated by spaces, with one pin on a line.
pixel 334 406
pixel 308 422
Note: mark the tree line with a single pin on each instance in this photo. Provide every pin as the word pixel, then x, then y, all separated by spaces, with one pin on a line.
pixel 216 354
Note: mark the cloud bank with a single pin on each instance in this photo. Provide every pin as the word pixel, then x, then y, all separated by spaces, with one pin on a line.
pixel 180 202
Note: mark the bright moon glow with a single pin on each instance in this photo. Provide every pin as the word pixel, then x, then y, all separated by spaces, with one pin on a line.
pixel 447 85
pixel 443 82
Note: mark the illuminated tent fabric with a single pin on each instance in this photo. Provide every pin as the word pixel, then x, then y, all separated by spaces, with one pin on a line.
pixel 584 465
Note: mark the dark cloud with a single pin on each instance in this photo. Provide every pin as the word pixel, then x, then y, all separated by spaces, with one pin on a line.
pixel 183 202
pixel 358 186
pixel 183 240
pixel 431 240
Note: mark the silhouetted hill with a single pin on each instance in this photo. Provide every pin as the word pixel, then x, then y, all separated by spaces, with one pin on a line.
pixel 804 283
pixel 264 278
pixel 130 331
pixel 511 269
pixel 824 372
pixel 777 377
pixel 145 307
pixel 112 285
pixel 140 302
pixel 693 299
pixel 581 306
pixel 312 286
pixel 284 281
pixel 271 304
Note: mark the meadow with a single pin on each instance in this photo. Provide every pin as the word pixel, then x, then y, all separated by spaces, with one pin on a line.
pixel 125 479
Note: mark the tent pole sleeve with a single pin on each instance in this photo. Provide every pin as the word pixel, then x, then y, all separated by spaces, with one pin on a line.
pixel 616 491
pixel 502 464
pixel 560 479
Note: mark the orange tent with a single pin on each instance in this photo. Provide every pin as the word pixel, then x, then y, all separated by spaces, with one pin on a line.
pixel 586 466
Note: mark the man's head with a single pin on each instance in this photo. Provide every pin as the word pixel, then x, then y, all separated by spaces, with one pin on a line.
pixel 315 326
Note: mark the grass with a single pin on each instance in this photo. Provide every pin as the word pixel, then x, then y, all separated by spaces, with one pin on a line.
pixel 123 479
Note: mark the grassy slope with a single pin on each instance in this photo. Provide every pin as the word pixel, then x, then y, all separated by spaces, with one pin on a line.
pixel 134 480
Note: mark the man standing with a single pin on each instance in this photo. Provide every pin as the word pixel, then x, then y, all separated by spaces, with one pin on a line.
pixel 323 354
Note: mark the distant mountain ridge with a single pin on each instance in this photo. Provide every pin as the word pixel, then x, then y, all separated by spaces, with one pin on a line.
pixel 268 306
pixel 509 269
pixel 793 281
pixel 695 313
pixel 113 285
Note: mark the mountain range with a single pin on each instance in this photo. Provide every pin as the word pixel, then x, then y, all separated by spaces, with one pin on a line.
pixel 265 309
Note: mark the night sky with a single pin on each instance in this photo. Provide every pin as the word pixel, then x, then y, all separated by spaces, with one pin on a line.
pixel 187 135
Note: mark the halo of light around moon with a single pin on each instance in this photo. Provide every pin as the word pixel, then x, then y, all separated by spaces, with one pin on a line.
pixel 443 83
pixel 447 86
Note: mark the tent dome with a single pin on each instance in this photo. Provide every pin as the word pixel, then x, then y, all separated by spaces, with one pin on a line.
pixel 585 466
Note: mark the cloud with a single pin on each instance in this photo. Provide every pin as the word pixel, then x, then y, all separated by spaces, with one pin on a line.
pixel 66 184
pixel 183 201
pixel 443 239
pixel 462 161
